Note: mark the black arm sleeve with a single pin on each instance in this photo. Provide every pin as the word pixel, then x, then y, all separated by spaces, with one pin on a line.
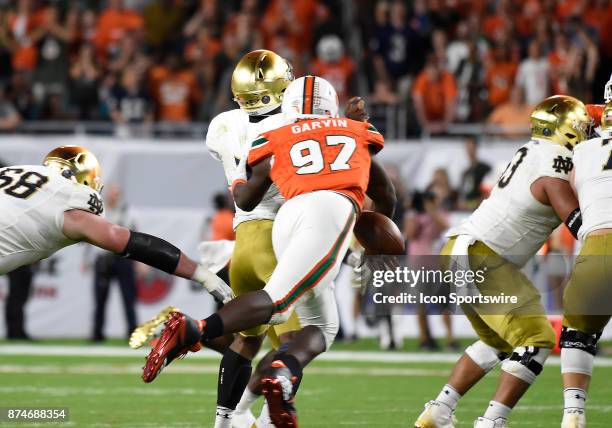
pixel 152 251
pixel 574 221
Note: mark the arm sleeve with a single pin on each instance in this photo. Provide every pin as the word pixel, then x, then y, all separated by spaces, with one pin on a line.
pixel 261 148
pixel 374 138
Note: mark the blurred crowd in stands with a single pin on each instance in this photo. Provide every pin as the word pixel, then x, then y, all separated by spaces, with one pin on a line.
pixel 435 61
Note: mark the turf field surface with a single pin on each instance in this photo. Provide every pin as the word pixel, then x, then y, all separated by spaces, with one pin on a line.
pixel 101 386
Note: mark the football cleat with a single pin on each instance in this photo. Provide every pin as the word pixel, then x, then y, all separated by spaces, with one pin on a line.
pixel 436 415
pixel 180 335
pixel 277 387
pixel 243 420
pixel 146 330
pixel 574 419
pixel 489 423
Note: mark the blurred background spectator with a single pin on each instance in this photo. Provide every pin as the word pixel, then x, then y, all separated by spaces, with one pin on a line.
pixel 434 95
pixel 19 289
pixel 423 228
pixel 9 117
pixel 109 267
pixel 423 66
pixel 470 194
pixel 221 223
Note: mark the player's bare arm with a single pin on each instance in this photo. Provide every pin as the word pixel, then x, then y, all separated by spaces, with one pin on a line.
pixel 249 193
pixel 80 225
pixel 381 190
pixel 558 193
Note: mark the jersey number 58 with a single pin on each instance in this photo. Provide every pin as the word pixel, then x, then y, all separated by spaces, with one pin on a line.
pixel 15 182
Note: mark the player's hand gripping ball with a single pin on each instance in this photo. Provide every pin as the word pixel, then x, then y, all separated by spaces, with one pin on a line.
pixel 356 110
pixel 378 234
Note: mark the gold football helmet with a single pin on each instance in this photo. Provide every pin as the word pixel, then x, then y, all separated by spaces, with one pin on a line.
pixel 259 80
pixel 606 121
pixel 561 119
pixel 77 164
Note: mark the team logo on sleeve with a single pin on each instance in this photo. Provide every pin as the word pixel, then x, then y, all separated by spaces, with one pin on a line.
pixel 96 205
pixel 563 164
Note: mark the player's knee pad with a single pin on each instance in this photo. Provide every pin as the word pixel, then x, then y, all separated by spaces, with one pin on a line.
pixel 576 361
pixel 574 339
pixel 484 355
pixel 526 362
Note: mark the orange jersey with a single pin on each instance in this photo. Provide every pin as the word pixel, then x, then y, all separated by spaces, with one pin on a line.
pixel 595 111
pixel 320 154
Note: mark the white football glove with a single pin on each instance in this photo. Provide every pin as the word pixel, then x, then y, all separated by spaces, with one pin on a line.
pixel 213 284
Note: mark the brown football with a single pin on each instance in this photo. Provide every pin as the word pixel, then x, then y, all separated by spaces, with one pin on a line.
pixel 378 234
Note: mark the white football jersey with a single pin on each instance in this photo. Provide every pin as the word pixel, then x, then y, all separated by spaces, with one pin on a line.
pixel 593 184
pixel 511 221
pixel 229 137
pixel 33 199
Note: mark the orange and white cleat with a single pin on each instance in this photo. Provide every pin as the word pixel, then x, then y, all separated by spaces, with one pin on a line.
pixel 180 335
pixel 277 387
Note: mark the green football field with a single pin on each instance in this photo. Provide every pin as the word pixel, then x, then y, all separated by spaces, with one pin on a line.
pixel 360 389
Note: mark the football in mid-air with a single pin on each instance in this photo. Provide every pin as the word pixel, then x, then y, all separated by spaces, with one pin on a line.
pixel 378 234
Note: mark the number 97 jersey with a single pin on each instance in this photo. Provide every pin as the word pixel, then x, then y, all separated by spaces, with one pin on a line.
pixel 512 222
pixel 319 154
pixel 33 199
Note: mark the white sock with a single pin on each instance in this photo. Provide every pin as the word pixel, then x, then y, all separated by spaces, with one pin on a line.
pixel 575 399
pixel 224 417
pixel 246 401
pixel 497 410
pixel 264 416
pixel 449 396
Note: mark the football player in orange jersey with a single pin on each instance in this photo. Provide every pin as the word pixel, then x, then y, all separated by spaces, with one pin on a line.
pixel 595 110
pixel 322 166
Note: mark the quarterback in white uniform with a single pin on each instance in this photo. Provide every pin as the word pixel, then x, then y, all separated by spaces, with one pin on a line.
pixel 44 208
pixel 588 296
pixel 258 82
pixel 530 200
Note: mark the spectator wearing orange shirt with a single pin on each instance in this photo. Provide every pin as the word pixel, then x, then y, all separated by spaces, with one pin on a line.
pixel 512 117
pixel 500 77
pixel 558 59
pixel 222 222
pixel 175 89
pixel 296 19
pixel 113 23
pixel 434 94
pixel 334 66
pixel 204 48
pixel 21 26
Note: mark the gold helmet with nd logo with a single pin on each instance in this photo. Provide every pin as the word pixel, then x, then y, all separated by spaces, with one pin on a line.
pixel 77 164
pixel 561 119
pixel 259 80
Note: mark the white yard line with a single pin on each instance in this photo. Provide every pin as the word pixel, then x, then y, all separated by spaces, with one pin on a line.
pixel 340 356
pixel 183 368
